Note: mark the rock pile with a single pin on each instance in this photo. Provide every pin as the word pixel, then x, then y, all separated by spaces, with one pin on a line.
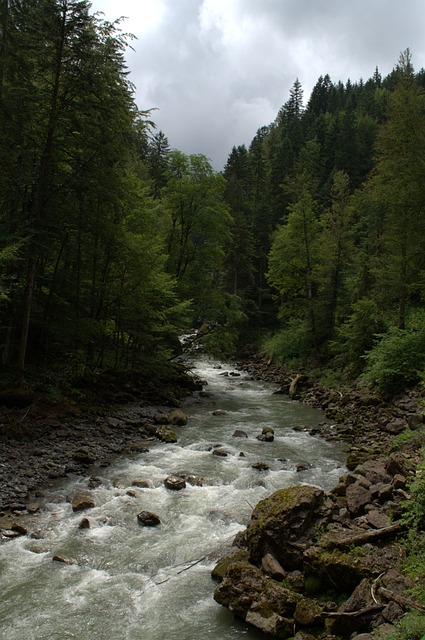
pixel 302 543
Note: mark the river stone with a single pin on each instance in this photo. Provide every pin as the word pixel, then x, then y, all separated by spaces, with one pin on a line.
pixel 84 524
pixel 195 481
pixel 377 519
pixel 9 534
pixel 94 482
pixel 269 622
pixel 308 612
pixel 175 483
pixel 177 417
pixel 223 565
pixel 240 434
pixel 64 560
pixel 245 588
pixel 220 452
pixel 148 519
pixel 357 498
pixel 260 466
pixel 396 426
pixel 167 435
pixel 273 568
pixel 82 502
pixel 265 437
pixel 219 412
pixel 142 484
pixel 374 470
pixel 280 519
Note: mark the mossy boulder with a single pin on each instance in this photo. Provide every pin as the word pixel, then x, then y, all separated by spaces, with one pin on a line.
pixel 245 588
pixel 167 435
pixel 279 522
pixel 223 565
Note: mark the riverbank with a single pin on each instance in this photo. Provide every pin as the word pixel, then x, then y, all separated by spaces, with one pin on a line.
pixel 49 439
pixel 332 565
pixel 366 423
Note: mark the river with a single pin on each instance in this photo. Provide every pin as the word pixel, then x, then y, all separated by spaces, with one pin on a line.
pixel 137 583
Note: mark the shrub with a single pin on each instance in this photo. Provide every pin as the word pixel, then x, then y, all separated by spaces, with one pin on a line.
pixel 396 361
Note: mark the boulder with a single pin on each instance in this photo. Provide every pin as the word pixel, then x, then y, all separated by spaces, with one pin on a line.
pixel 273 568
pixel 244 589
pixel 148 519
pixel 223 565
pixel 279 521
pixel 82 502
pixel 374 470
pixel 239 434
pixel 167 435
pixel 377 519
pixel 308 612
pixel 357 498
pixel 395 426
pixel 175 483
pixel 177 417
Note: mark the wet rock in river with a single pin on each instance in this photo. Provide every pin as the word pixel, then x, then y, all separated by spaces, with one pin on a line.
pixel 260 466
pixel 240 434
pixel 267 435
pixel 175 483
pixel 195 481
pixel 221 453
pixel 142 484
pixel 167 435
pixel 148 519
pixel 82 502
pixel 177 417
pixel 64 560
pixel 84 524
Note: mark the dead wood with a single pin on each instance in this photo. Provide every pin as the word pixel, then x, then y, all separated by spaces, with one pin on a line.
pixel 354 539
pixel 401 600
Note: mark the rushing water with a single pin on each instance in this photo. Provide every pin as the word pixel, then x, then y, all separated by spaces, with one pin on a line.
pixel 138 583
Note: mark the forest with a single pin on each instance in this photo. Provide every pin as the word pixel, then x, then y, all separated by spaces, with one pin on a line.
pixel 308 246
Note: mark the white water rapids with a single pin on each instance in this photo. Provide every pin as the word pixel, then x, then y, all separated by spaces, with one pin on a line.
pixel 139 583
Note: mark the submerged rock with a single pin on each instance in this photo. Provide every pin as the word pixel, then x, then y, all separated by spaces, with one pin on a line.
pixel 177 417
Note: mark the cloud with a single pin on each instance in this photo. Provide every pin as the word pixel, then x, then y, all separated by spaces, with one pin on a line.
pixel 217 70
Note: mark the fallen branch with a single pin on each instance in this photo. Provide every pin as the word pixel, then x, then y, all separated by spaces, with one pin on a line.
pixel 355 539
pixel 401 600
pixel 354 614
pixel 191 565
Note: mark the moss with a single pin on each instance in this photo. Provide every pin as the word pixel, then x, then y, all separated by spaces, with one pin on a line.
pixel 167 435
pixel 223 565
pixel 284 500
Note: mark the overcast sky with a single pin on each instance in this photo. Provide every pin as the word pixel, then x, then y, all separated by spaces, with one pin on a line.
pixel 217 70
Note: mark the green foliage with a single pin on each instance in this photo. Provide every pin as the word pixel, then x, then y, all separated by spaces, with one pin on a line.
pixel 356 335
pixel 291 345
pixel 396 360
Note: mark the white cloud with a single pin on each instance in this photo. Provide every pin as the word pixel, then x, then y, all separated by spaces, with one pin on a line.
pixel 217 70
